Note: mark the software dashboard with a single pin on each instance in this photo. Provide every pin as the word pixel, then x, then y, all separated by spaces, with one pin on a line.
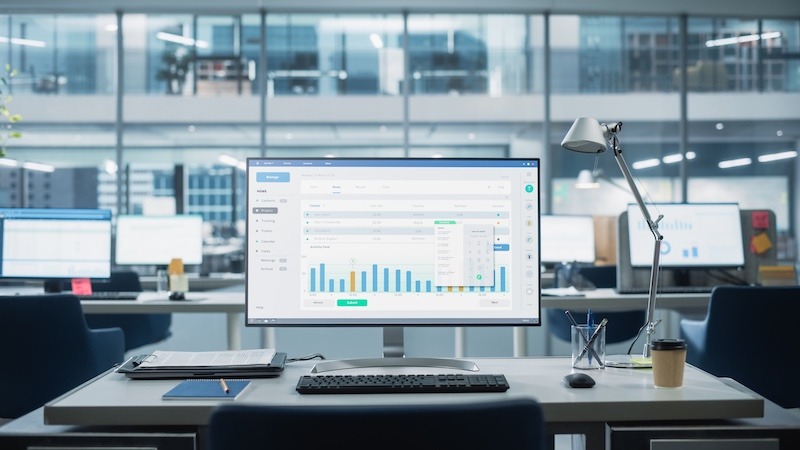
pixel 392 241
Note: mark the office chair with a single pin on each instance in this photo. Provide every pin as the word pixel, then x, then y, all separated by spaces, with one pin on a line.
pixel 622 325
pixel 749 334
pixel 139 329
pixel 510 424
pixel 47 349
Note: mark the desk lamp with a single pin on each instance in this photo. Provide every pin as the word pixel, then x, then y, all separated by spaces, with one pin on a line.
pixel 587 135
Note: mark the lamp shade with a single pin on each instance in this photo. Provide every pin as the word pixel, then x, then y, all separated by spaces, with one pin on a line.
pixel 585 136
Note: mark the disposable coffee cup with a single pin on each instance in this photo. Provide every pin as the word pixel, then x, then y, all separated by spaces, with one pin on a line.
pixel 588 353
pixel 669 361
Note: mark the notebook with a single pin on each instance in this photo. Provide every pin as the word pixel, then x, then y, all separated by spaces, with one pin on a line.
pixel 207 389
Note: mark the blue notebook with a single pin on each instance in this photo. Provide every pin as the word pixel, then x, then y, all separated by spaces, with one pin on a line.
pixel 207 389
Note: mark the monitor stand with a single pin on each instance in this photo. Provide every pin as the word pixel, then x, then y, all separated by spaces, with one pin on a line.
pixel 394 356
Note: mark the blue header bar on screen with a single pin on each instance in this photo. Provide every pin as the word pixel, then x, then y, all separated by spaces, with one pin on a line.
pixel 55 213
pixel 390 162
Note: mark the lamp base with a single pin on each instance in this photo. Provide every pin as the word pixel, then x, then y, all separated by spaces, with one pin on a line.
pixel 629 361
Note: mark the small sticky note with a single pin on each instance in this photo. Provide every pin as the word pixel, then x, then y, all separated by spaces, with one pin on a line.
pixel 760 220
pixel 760 243
pixel 81 286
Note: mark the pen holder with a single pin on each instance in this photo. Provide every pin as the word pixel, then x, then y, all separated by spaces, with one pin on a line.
pixel 588 347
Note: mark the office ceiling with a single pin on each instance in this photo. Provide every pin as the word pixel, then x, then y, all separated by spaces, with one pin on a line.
pixel 764 8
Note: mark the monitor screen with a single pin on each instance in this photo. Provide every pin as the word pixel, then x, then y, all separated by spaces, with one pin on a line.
pixel 392 242
pixel 700 235
pixel 156 240
pixel 47 243
pixel 567 239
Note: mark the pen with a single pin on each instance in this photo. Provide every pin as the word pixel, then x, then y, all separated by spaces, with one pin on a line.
pixel 590 325
pixel 596 333
pixel 583 335
pixel 224 385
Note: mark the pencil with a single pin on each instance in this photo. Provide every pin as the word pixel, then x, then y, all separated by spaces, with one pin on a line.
pixel 224 385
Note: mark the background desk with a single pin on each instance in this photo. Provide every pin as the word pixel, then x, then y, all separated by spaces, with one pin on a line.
pixel 230 303
pixel 620 395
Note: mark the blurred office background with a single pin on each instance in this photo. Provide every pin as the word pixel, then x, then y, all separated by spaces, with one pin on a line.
pixel 154 105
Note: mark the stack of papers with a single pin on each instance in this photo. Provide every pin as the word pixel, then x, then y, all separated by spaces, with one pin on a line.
pixel 235 363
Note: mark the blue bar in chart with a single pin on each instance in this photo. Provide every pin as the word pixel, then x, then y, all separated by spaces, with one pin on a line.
pixel 386 279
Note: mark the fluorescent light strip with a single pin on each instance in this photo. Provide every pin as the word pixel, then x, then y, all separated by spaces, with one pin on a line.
pixel 183 40
pixel 777 156
pixel 39 167
pixel 734 163
pixel 8 162
pixel 376 40
pixel 28 42
pixel 741 39
pixel 647 163
pixel 677 157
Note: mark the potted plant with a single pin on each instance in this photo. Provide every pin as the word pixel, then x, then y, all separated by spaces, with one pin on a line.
pixel 7 118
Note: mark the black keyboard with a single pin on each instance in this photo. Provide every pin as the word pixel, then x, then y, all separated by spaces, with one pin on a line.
pixel 110 295
pixel 667 290
pixel 400 383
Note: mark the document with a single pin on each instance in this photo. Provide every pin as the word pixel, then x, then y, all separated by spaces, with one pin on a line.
pixel 231 358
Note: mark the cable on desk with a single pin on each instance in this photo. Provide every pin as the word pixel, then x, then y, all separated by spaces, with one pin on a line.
pixel 306 357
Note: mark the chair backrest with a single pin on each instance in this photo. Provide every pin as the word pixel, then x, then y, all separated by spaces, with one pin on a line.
pixel 512 424
pixel 750 336
pixel 48 349
pixel 140 329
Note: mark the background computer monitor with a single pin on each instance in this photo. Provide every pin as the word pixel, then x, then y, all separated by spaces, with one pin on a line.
pixel 392 242
pixel 567 239
pixel 53 243
pixel 696 235
pixel 156 240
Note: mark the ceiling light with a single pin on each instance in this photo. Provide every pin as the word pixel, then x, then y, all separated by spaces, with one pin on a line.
pixel 734 163
pixel 111 27
pixel 28 42
pixel 39 167
pixel 672 159
pixel 647 163
pixel 471 136
pixel 741 39
pixel 779 133
pixel 110 167
pixel 183 40
pixel 8 162
pixel 586 180
pixel 777 156
pixel 719 126
pixel 376 40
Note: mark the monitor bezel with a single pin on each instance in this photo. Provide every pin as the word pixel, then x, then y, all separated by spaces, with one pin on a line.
pixel 105 215
pixel 384 321
pixel 156 218
pixel 633 208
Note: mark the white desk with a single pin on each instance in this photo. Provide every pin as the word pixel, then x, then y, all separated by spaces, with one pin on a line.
pixel 620 395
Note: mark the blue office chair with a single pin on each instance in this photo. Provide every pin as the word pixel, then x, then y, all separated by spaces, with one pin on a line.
pixel 749 334
pixel 140 329
pixel 510 424
pixel 47 349
pixel 622 325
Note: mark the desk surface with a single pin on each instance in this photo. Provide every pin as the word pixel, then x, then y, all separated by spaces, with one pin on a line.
pixel 619 395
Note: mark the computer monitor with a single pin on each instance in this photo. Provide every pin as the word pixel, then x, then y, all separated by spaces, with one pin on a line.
pixel 567 239
pixel 55 243
pixel 156 240
pixel 696 235
pixel 393 242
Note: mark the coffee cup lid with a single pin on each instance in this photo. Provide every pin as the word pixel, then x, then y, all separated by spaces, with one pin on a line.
pixel 668 344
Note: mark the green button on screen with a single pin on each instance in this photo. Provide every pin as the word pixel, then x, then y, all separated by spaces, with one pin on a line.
pixel 351 302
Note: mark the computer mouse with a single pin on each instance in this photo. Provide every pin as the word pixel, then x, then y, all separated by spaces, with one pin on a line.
pixel 579 380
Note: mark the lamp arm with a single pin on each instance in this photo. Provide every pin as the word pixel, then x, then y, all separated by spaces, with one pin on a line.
pixel 653 225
